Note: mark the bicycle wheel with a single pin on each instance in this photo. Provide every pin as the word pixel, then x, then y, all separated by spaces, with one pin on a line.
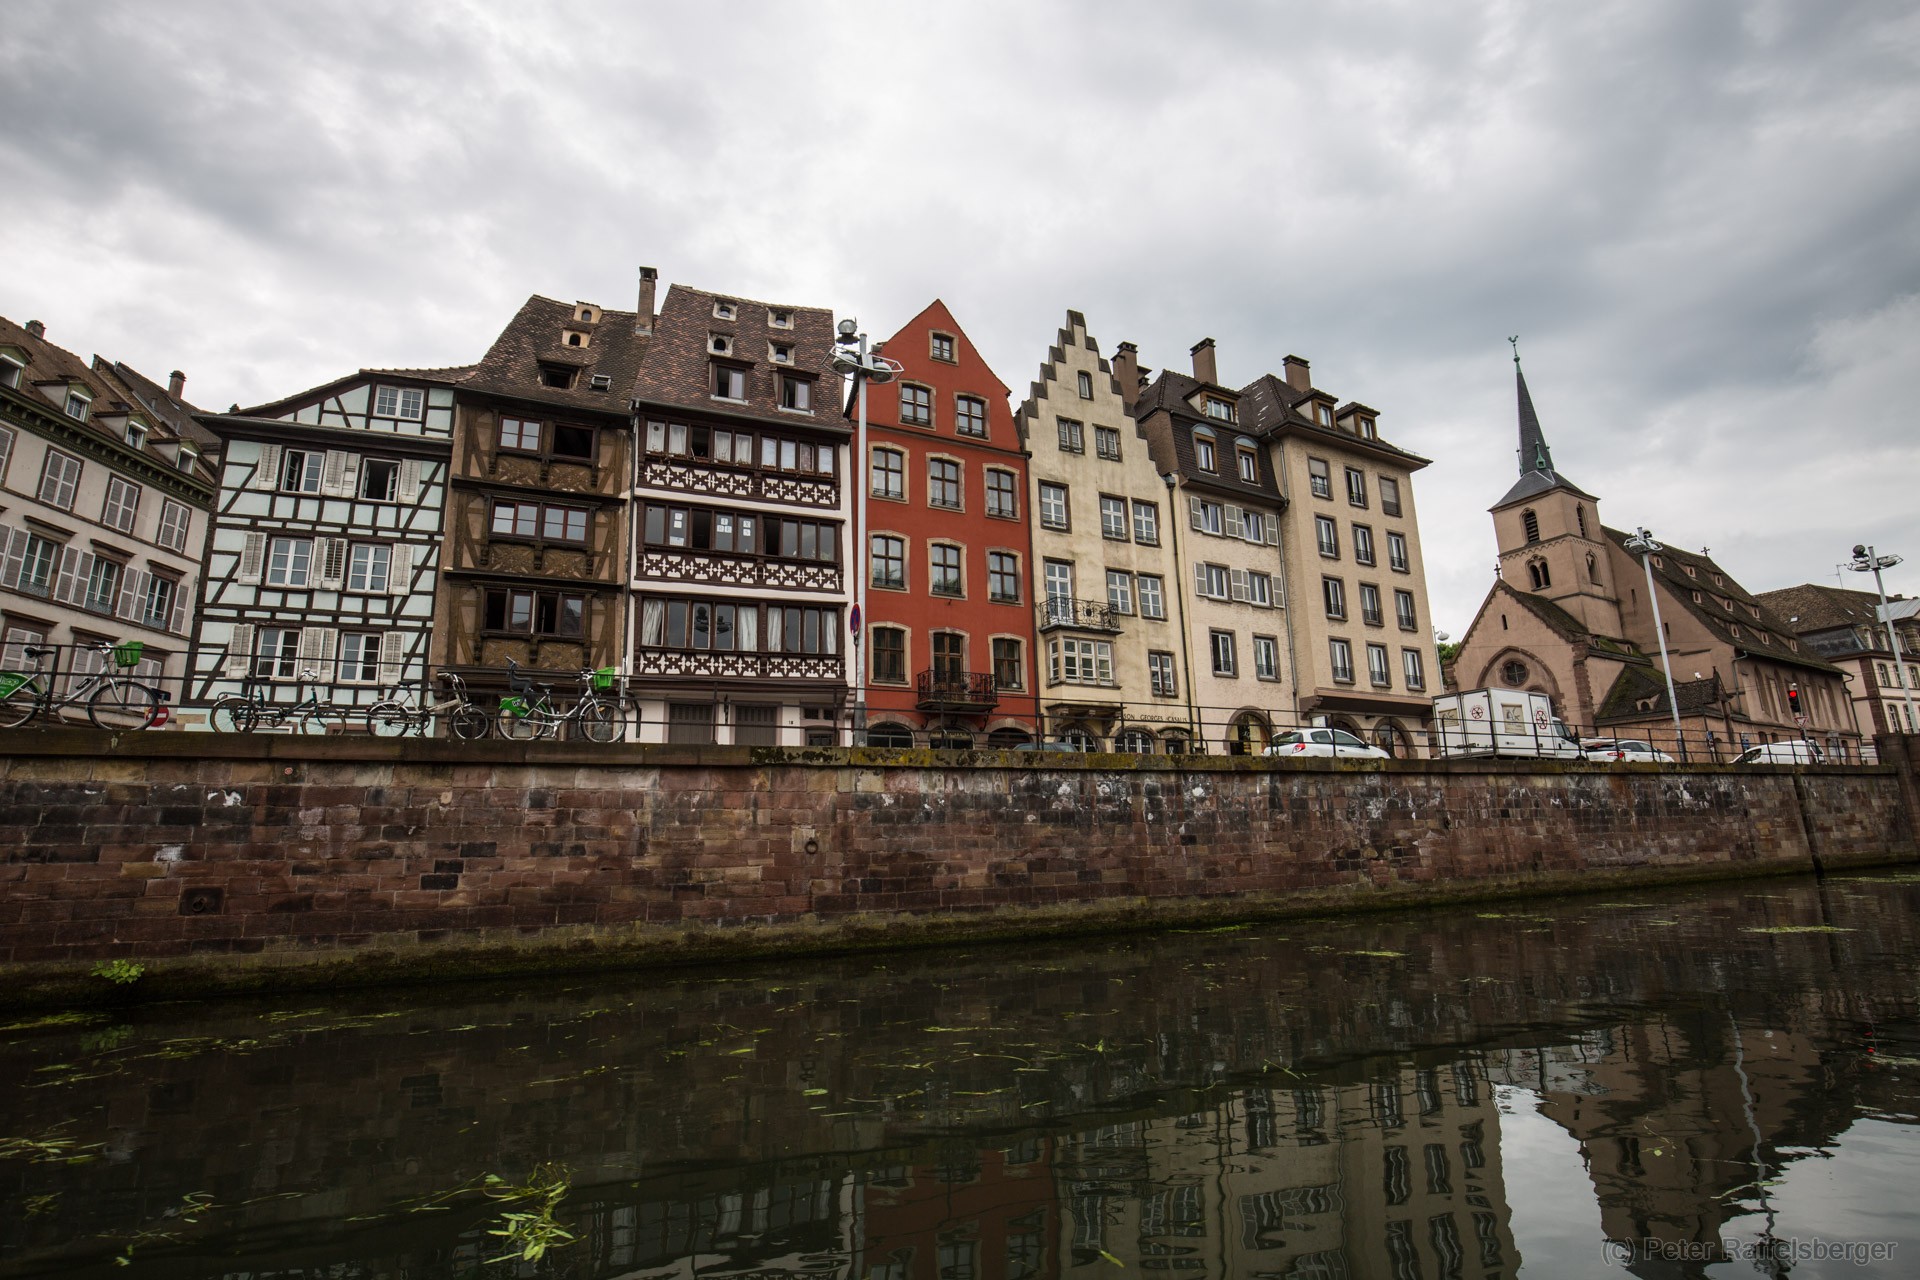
pixel 234 714
pixel 599 721
pixel 469 723
pixel 19 705
pixel 123 705
pixel 526 721
pixel 391 719
pixel 312 721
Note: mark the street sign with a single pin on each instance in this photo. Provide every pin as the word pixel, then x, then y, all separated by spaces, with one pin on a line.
pixel 853 621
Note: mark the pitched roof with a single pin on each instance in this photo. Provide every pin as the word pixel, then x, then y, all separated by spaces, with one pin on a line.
pixel 1641 691
pixel 1168 394
pixel 1812 607
pixel 1727 609
pixel 1537 475
pixel 159 403
pixel 537 337
pixel 1269 407
pixel 677 369
pixel 453 376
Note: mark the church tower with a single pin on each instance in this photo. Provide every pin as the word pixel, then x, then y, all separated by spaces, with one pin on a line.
pixel 1551 542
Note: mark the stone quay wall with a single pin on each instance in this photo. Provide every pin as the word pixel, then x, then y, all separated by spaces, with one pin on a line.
pixel 242 863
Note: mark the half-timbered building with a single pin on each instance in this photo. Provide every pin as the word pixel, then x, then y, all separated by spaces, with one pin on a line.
pixel 739 576
pixel 324 550
pixel 105 487
pixel 535 559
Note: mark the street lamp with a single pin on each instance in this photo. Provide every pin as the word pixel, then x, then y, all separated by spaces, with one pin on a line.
pixel 850 355
pixel 1643 543
pixel 1865 561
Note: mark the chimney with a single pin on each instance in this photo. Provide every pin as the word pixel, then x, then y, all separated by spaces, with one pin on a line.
pixel 1126 370
pixel 1203 365
pixel 37 329
pixel 176 384
pixel 1299 376
pixel 643 317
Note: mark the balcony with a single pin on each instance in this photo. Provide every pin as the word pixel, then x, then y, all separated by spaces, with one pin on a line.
pixel 963 691
pixel 1081 615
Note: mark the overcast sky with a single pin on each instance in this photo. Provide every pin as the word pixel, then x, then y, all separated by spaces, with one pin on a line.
pixel 1702 219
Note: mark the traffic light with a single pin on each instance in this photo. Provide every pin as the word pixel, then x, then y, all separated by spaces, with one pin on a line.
pixel 1793 698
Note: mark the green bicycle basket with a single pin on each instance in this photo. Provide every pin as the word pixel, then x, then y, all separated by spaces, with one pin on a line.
pixel 11 680
pixel 127 653
pixel 603 678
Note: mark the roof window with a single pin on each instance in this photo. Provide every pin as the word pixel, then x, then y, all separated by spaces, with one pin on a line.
pixel 723 309
pixel 779 318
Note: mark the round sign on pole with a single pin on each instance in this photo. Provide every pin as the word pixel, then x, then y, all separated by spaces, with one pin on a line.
pixel 853 620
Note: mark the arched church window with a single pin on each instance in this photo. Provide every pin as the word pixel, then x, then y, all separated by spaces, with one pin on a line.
pixel 1532 523
pixel 1537 573
pixel 1580 518
pixel 1593 568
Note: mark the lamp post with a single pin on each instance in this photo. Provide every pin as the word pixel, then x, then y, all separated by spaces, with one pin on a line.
pixel 1643 543
pixel 1865 561
pixel 851 355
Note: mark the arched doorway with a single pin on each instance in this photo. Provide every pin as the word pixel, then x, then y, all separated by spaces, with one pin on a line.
pixel 887 734
pixel 1392 739
pixel 1137 741
pixel 1009 739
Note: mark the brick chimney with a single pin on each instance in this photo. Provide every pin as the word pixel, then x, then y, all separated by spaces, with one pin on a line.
pixel 176 384
pixel 1299 375
pixel 37 329
pixel 1126 371
pixel 1204 369
pixel 643 317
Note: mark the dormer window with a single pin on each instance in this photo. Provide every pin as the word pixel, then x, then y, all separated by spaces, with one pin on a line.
pixel 1219 409
pixel 720 344
pixel 136 436
pixel 1690 571
pixel 601 382
pixel 1323 414
pixel 584 313
pixel 780 352
pixel 942 347
pixel 186 458
pixel 729 381
pixel 1203 449
pixel 575 339
pixel 1719 581
pixel 79 404
pixel 1363 425
pixel 12 370
pixel 1249 465
pixel 722 309
pixel 557 376
pixel 401 402
pixel 796 393
pixel 779 318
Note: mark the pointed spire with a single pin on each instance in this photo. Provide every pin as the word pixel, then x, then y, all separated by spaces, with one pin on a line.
pixel 1534 454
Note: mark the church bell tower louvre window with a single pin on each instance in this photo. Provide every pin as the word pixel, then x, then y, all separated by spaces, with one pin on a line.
pixel 1537 573
pixel 1532 524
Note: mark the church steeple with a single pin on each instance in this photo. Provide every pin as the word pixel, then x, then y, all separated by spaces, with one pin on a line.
pixel 1537 475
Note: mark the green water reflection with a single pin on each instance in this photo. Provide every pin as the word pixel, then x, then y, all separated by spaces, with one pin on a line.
pixel 1557 1090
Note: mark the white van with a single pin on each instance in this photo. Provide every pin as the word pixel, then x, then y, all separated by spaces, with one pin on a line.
pixel 1799 751
pixel 1501 722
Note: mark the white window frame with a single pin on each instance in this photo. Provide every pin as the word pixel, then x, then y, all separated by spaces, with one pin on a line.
pixel 367 561
pixel 1152 595
pixel 1113 518
pixel 286 568
pixel 1120 591
pixel 1054 510
pixel 1226 660
pixel 1266 658
pixel 896 474
pixel 1146 523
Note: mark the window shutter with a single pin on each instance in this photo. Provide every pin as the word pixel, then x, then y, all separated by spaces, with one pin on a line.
pixel 393 656
pixel 1200 579
pixel 332 555
pixel 253 559
pixel 63 583
pixel 13 543
pixel 266 475
pixel 400 571
pixel 316 651
pixel 1240 584
pixel 1236 527
pixel 1273 531
pixel 133 595
pixel 1193 511
pixel 239 649
pixel 178 623
pixel 82 575
pixel 409 487
pixel 6 449
pixel 331 472
pixel 350 477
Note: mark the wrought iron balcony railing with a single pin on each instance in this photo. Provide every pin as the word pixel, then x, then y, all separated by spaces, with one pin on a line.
pixel 940 690
pixel 1085 615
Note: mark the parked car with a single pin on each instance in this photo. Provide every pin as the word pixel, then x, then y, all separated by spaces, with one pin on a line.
pixel 1622 751
pixel 1323 742
pixel 1797 752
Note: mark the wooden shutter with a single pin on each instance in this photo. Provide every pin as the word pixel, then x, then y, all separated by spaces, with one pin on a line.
pixel 393 656
pixel 239 649
pixel 1235 527
pixel 333 474
pixel 330 556
pixel 400 570
pixel 13 545
pixel 82 575
pixel 6 449
pixel 1200 578
pixel 63 582
pixel 1239 588
pixel 266 474
pixel 178 622
pixel 1273 531
pixel 133 595
pixel 253 559
pixel 408 489
pixel 1193 511
pixel 316 651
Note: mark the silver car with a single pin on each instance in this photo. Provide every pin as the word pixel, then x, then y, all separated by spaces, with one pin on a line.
pixel 1623 751
pixel 1323 742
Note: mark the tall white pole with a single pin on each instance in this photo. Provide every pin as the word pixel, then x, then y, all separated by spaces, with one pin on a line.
pixel 863 482
pixel 1893 638
pixel 1660 634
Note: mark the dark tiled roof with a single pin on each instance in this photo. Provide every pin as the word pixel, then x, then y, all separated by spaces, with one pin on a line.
pixel 111 394
pixel 1763 636
pixel 451 377
pixel 176 414
pixel 1267 408
pixel 1641 691
pixel 1821 608
pixel 537 335
pixel 1537 475
pixel 677 373
pixel 1168 394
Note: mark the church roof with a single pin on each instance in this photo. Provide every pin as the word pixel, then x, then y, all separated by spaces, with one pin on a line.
pixel 1537 475
pixel 1641 691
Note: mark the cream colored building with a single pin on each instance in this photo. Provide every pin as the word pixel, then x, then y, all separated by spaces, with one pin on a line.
pixel 1363 633
pixel 1111 666
pixel 1233 596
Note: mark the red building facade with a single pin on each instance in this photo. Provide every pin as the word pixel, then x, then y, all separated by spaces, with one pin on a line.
pixel 949 621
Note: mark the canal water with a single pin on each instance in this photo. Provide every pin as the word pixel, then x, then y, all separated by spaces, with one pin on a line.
pixel 1707 1082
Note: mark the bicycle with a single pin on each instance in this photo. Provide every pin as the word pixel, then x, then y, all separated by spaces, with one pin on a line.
pixel 252 711
pixel 527 713
pixel 466 719
pixel 117 702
